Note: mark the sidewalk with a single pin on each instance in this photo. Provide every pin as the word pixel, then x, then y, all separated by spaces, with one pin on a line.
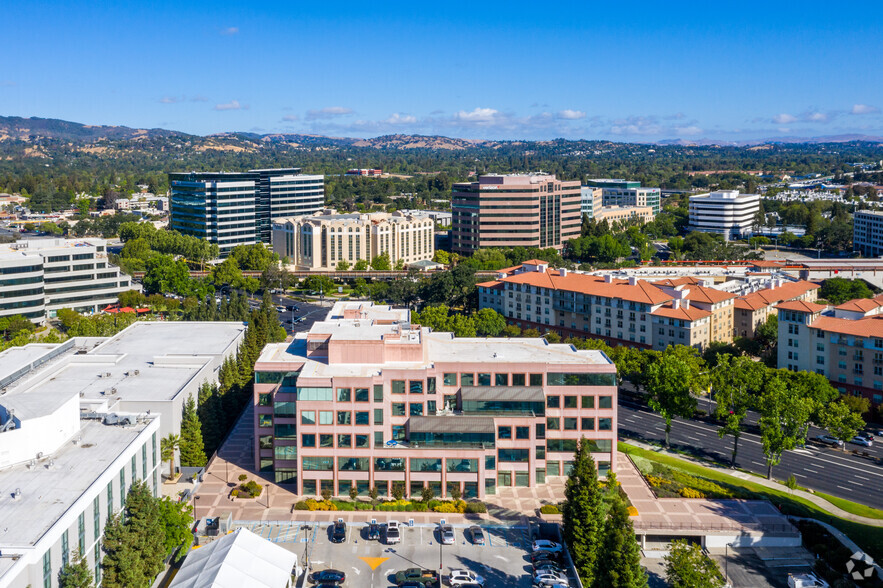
pixel 816 500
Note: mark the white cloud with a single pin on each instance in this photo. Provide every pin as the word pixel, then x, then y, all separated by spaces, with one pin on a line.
pixel 290 117
pixel 170 100
pixel 198 98
pixel 230 31
pixel 328 112
pixel 479 116
pixel 400 119
pixel 232 105
pixel 864 109
pixel 568 114
pixel 636 125
pixel 784 119
pixel 817 117
pixel 689 130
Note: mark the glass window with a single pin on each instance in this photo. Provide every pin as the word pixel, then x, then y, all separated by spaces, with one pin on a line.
pixel 605 424
pixel 309 487
pixel 284 431
pixel 378 392
pixel 518 379
pixel 285 452
pixel 588 402
pixel 467 379
pixel 522 432
pixel 343 394
pixel 308 440
pixel 553 401
pixel 265 420
pixel 323 394
pixel 361 440
pixel 561 445
pixel 462 465
pixel 430 407
pixel 564 379
pixel 415 408
pixel 326 440
pixel 484 379
pixel 398 386
pixel 510 455
pixel 552 468
pixel 378 416
pixel 490 462
pixel 265 441
pixel 343 487
pixel 416 488
pixel 378 439
pixel 536 379
pixel 541 475
pixel 356 464
pixel 326 417
pixel 570 401
pixel 490 485
pixel 430 385
pixel 522 479
pixel 501 379
pixel 266 465
pixel 308 417
pixel 363 417
pixel 603 468
pixel 541 452
pixel 504 432
pixel 605 402
pixel 553 423
pixel 570 423
pixel 362 395
pixel 504 479
pixel 588 424
pixel 285 409
pixel 344 417
pixel 416 387
pixel 450 379
pixel 398 433
pixel 317 464
pixel 389 464
pixel 420 464
pixel 398 409
pixel 541 430
pixel 264 399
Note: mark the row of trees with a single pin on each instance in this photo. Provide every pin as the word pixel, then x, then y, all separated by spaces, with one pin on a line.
pixel 484 323
pixel 143 238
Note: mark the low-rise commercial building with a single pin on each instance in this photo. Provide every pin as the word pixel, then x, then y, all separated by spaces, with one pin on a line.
pixel 625 214
pixel 867 232
pixel 40 276
pixel 726 213
pixel 367 399
pixel 627 193
pixel 320 242
pixel 515 210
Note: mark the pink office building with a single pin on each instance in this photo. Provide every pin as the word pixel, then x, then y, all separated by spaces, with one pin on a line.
pixel 366 398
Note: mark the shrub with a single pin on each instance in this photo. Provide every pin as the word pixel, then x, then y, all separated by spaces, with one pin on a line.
pixel 419 507
pixel 242 477
pixel 252 488
pixel 654 481
pixel 690 493
pixel 301 505
pixel 348 506
pixel 433 504
pixel 446 507
pixel 475 507
pixel 549 509
pixel 363 506
pixel 633 512
pixel 235 493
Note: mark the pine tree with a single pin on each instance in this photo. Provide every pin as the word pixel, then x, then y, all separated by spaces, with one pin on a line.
pixel 621 565
pixel 582 514
pixel 75 574
pixel 134 546
pixel 192 447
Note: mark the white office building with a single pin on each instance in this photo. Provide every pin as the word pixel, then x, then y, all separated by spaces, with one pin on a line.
pixel 867 233
pixel 591 200
pixel 40 276
pixel 63 472
pixel 727 213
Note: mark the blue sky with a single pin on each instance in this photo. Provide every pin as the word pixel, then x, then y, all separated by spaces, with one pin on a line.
pixel 629 71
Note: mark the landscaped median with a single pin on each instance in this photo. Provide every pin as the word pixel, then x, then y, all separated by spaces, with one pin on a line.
pixel 402 505
pixel 681 477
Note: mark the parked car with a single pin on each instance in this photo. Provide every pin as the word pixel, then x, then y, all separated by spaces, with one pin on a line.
pixel 551 576
pixel 422 576
pixel 551 583
pixel 865 435
pixel 393 534
pixel 476 535
pixel 805 581
pixel 859 440
pixel 461 577
pixel 373 532
pixel 829 440
pixel 446 534
pixel 325 576
pixel 543 555
pixel 548 566
pixel 545 545
pixel 338 532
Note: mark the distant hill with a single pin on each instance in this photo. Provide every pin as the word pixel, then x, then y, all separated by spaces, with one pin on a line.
pixel 420 142
pixel 29 129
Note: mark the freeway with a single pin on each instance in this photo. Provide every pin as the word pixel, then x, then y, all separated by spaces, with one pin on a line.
pixel 816 466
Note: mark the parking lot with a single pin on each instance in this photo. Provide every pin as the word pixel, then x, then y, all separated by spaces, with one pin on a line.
pixel 502 561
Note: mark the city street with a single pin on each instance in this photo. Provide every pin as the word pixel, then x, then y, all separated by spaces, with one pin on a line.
pixel 817 467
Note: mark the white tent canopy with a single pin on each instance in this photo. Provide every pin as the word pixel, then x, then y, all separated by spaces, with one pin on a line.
pixel 236 560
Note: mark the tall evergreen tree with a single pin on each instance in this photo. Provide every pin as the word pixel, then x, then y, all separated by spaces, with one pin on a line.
pixel 76 574
pixel 687 567
pixel 620 566
pixel 192 447
pixel 134 546
pixel 582 514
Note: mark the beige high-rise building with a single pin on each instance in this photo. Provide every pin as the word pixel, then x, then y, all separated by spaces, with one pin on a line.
pixel 320 242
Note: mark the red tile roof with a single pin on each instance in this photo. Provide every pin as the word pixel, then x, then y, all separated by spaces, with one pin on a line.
pixel 801 306
pixel 751 302
pixel 866 327
pixel 491 284
pixel 861 305
pixel 708 295
pixel 765 263
pixel 767 296
pixel 676 281
pixel 687 314
pixel 642 291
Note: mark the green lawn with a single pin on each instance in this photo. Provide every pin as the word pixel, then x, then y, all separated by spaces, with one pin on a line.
pixel 868 538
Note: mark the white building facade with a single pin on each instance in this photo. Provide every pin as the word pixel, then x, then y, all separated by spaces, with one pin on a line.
pixel 726 213
pixel 867 233
pixel 591 200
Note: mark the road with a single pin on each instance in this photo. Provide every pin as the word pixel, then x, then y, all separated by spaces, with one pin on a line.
pixel 818 467
pixel 309 311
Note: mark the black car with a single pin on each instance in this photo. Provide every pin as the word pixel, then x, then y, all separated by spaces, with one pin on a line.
pixel 338 532
pixel 328 576
pixel 544 555
pixel 373 532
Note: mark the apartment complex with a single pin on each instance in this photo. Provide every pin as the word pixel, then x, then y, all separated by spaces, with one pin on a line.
pixel 753 309
pixel 627 193
pixel 320 242
pixel 632 312
pixel 40 276
pixel 514 210
pixel 368 399
pixel 867 232
pixel 843 343
pixel 232 209
pixel 726 213
pixel 65 467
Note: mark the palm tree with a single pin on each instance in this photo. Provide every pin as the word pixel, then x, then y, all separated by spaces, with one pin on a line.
pixel 167 446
